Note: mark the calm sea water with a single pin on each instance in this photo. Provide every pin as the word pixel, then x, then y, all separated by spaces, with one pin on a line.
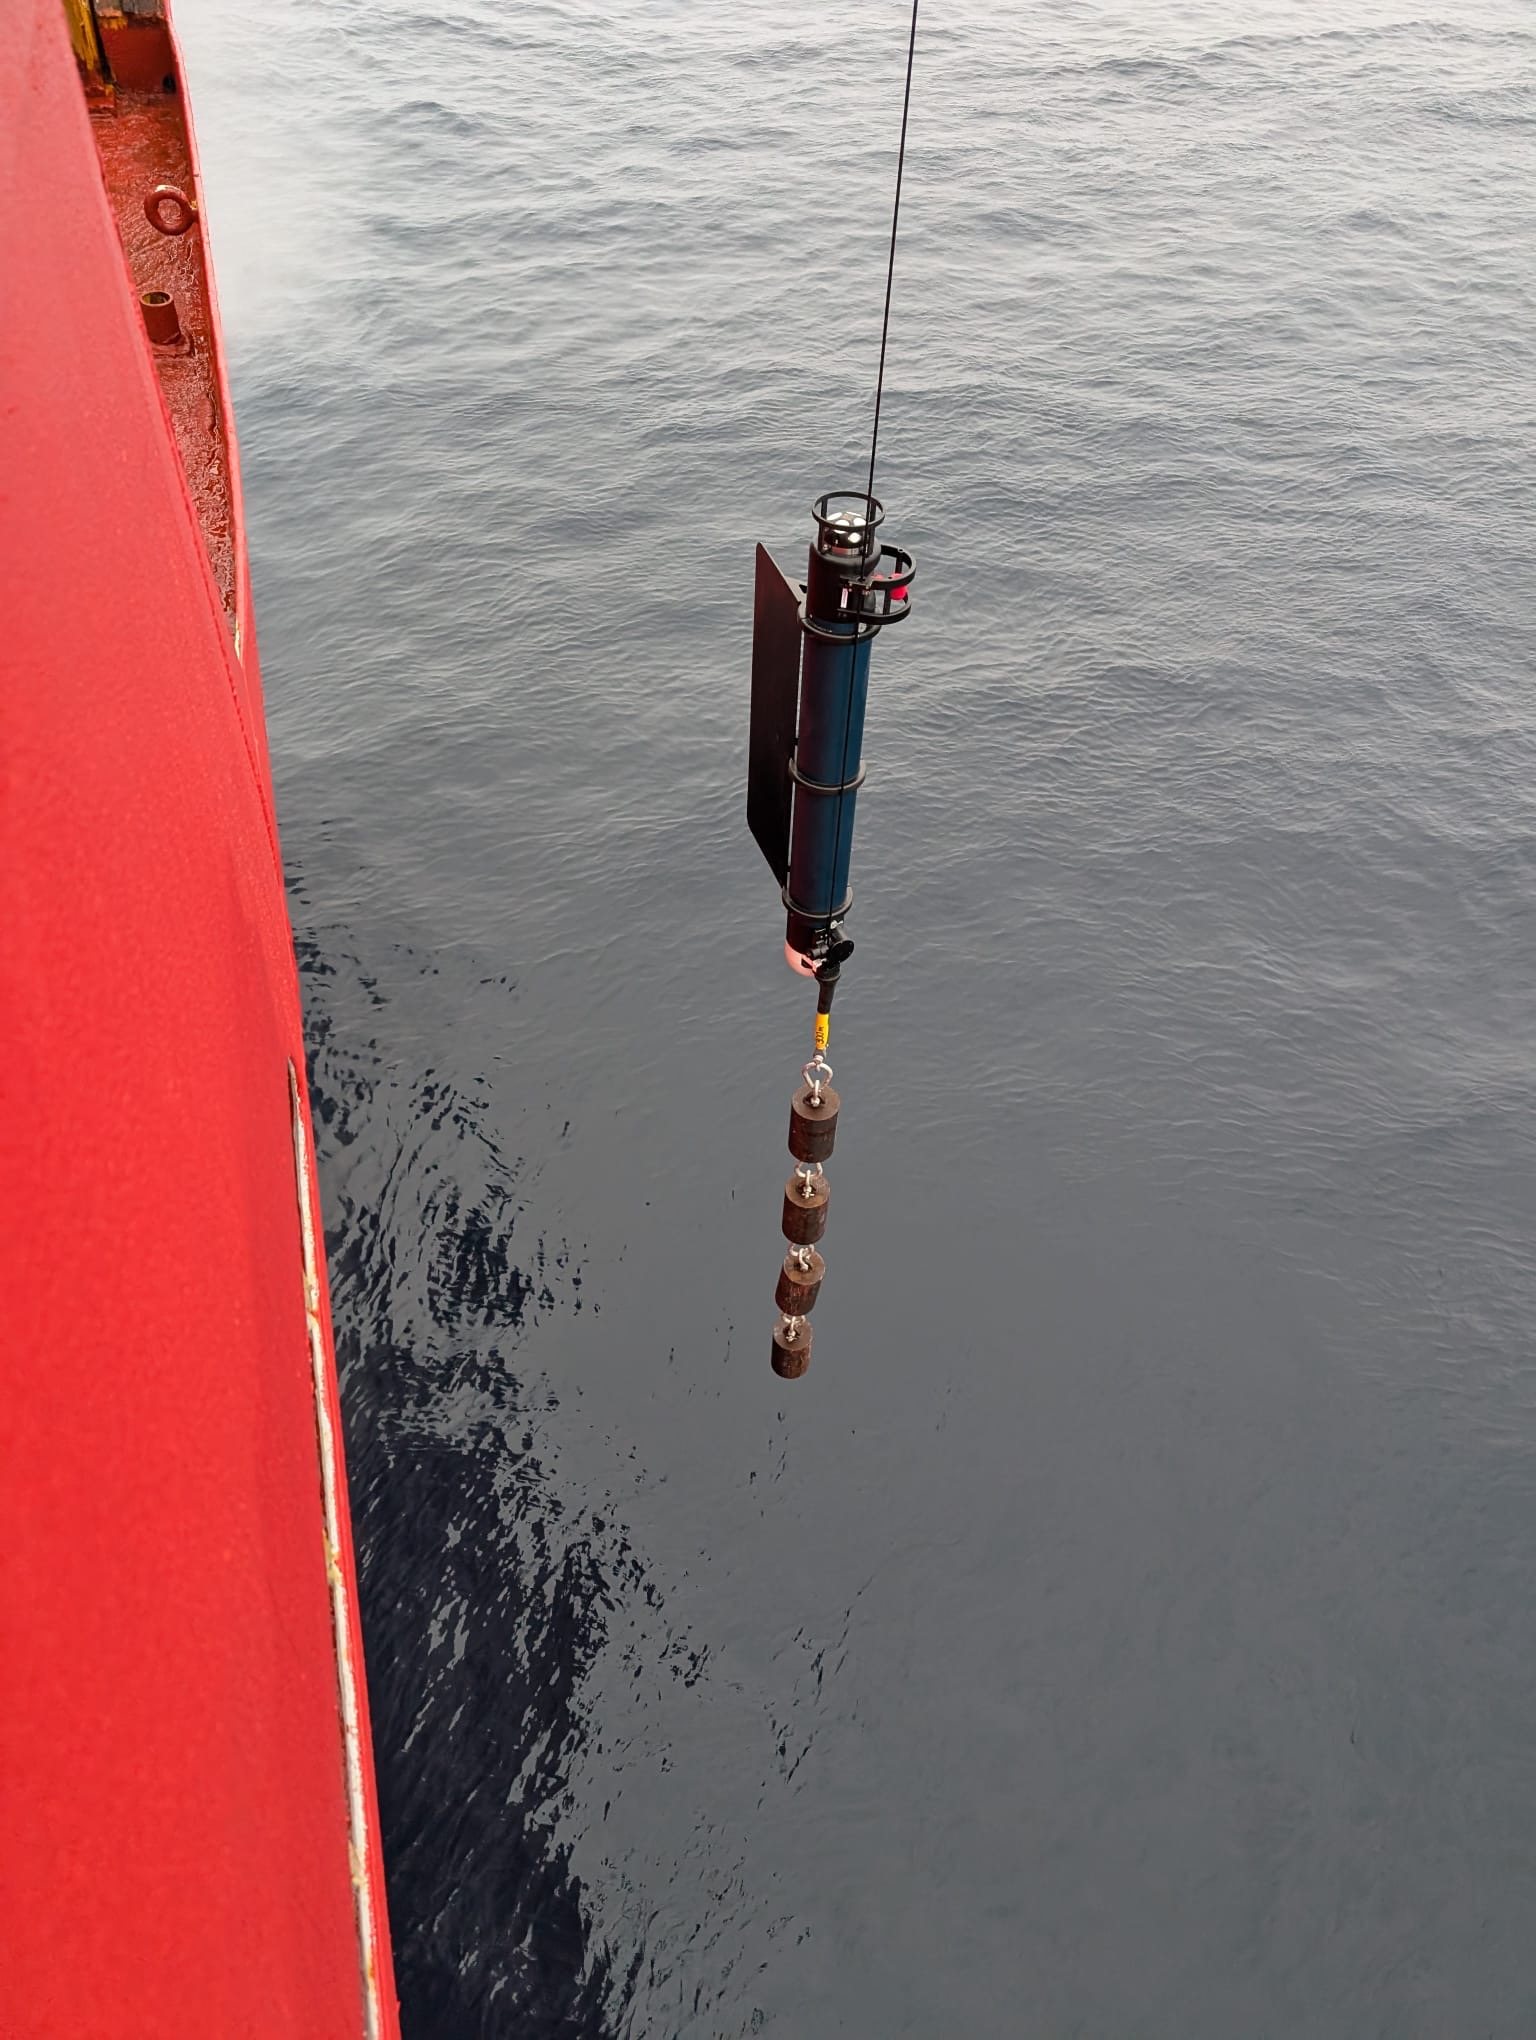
pixel 1127 1628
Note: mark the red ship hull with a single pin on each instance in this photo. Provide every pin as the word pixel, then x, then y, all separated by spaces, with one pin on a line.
pixel 191 1840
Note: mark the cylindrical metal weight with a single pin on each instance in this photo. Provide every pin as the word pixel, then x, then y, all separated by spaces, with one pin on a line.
pixel 812 1127
pixel 805 1218
pixel 791 1355
pixel 799 1287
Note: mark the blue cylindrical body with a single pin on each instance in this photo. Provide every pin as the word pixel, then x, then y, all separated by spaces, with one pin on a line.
pixel 834 690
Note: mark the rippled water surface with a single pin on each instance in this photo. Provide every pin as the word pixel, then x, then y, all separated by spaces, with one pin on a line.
pixel 1126 1629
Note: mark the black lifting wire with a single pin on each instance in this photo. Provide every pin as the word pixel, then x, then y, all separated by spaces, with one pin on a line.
pixel 890 267
pixel 874 433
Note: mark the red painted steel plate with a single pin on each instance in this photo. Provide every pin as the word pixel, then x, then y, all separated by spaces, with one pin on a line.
pixel 175 1853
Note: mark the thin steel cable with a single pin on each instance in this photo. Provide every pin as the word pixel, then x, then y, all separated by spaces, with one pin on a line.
pixel 890 267
pixel 874 441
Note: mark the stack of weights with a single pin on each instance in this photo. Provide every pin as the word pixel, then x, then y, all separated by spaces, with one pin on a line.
pixel 812 1131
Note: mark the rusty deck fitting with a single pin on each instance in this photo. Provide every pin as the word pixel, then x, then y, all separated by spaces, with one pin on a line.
pixel 142 142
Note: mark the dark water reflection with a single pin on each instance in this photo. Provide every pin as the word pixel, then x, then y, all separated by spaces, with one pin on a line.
pixel 1126 1628
pixel 495 1609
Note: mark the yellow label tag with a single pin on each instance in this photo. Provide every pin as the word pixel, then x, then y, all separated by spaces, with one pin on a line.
pixel 823 1030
